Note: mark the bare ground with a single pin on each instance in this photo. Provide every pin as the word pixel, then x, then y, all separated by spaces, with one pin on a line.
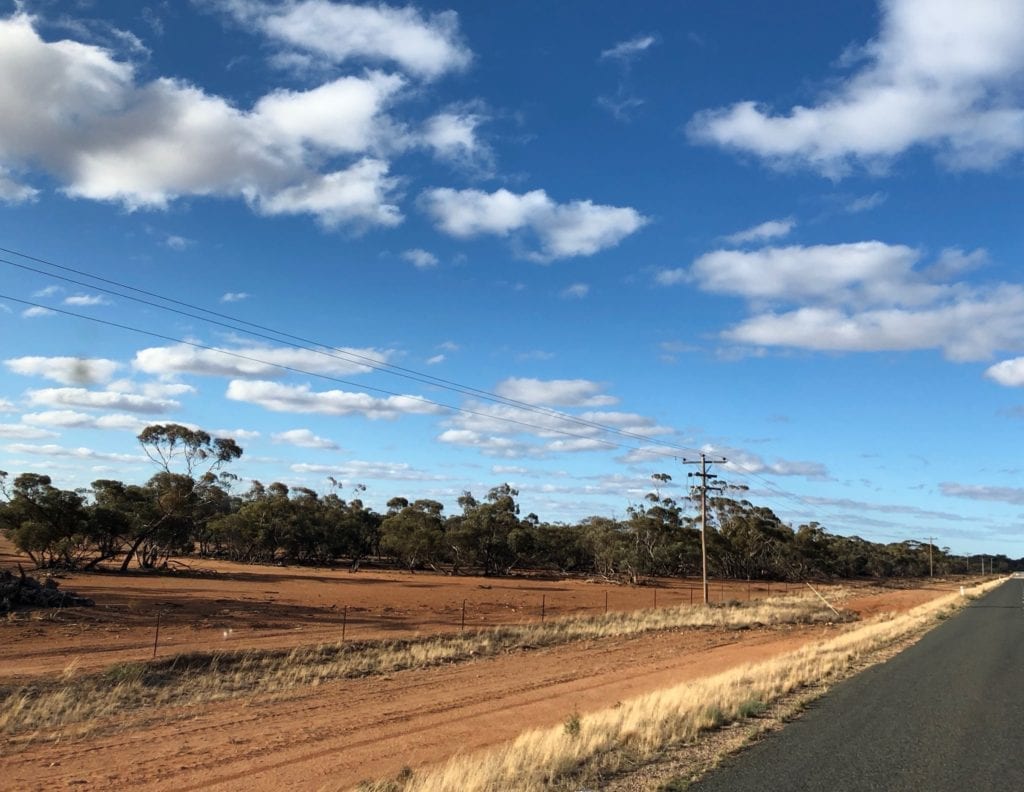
pixel 333 736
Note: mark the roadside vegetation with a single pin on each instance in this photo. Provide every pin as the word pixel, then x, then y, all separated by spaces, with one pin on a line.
pixel 192 679
pixel 593 747
pixel 190 506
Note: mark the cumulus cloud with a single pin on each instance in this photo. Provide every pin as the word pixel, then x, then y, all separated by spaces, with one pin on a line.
pixel 254 361
pixel 237 434
pixel 359 470
pixel 84 117
pixel 36 311
pixel 65 370
pixel 11 192
pixel 6 406
pixel 1007 372
pixel 53 450
pixel 452 136
pixel 303 438
pixel 944 75
pixel 579 228
pixel 421 259
pixel 70 419
pixel 558 393
pixel 770 229
pixel 433 360
pixel 1012 495
pixel 100 400
pixel 425 46
pixel 303 399
pixel 864 296
pixel 23 432
pixel 230 297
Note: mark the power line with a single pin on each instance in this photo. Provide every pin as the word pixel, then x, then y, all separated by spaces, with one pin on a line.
pixel 653 444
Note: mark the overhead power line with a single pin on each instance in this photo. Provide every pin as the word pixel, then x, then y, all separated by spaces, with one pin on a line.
pixel 653 445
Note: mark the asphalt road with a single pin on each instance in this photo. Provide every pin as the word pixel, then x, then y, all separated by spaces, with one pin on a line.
pixel 946 714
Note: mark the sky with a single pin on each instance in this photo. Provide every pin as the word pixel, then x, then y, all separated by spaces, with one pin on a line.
pixel 438 247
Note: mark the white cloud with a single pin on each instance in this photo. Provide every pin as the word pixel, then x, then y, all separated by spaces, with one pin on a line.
pixel 672 277
pixel 1012 495
pixel 435 359
pixel 1008 372
pixel 80 397
pixel 52 450
pixel 237 434
pixel 7 406
pixel 65 370
pixel 36 311
pixel 419 258
pixel 969 328
pixel 941 74
pixel 304 438
pixel 625 50
pixel 86 300
pixel 11 192
pixel 770 229
pixel 869 271
pixel 302 399
pixel 69 419
pixel 426 46
pixel 230 297
pixel 359 470
pixel 576 291
pixel 865 203
pixel 49 291
pixel 22 432
pixel 357 195
pixel 254 361
pixel 76 112
pixel 579 228
pixel 452 136
pixel 559 392
pixel 178 243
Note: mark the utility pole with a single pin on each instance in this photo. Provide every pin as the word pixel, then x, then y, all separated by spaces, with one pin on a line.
pixel 931 567
pixel 704 485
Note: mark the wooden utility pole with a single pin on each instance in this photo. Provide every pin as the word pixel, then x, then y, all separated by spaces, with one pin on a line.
pixel 704 486
pixel 931 566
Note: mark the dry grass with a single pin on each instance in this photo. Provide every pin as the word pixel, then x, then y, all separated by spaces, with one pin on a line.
pixel 602 743
pixel 192 679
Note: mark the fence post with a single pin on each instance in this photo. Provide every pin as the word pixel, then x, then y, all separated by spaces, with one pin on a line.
pixel 543 606
pixel 156 638
pixel 344 622
pixel 606 603
pixel 463 627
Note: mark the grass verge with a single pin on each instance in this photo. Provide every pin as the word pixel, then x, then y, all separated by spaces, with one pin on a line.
pixel 604 743
pixel 193 679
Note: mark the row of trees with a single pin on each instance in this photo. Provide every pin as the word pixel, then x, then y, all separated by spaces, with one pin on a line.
pixel 189 507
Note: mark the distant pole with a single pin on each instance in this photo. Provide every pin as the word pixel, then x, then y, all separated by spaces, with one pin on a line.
pixel 704 476
pixel 543 606
pixel 156 638
pixel 463 627
pixel 344 622
pixel 606 603
pixel 931 565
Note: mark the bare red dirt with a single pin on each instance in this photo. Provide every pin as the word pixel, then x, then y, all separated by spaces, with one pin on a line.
pixel 334 735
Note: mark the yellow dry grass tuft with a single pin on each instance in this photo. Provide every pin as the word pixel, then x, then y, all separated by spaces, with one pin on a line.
pixel 194 679
pixel 640 729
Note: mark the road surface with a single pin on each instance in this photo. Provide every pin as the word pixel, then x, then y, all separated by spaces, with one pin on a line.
pixel 946 714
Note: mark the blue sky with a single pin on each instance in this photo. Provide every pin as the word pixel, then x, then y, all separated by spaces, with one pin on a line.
pixel 756 231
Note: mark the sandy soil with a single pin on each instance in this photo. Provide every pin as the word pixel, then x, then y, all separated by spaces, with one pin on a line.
pixel 335 735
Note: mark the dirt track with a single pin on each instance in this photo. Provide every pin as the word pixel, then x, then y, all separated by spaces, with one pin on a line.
pixel 335 735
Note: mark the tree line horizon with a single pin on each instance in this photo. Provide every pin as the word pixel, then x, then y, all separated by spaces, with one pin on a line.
pixel 188 508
